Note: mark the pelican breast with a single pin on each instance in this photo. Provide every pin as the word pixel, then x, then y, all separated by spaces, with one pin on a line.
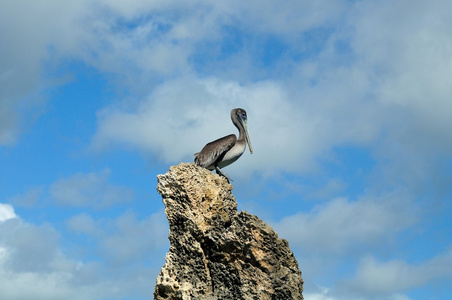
pixel 233 154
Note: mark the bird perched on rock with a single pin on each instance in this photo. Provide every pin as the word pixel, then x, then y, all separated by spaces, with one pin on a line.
pixel 226 150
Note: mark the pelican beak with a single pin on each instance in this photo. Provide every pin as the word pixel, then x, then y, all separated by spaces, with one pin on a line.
pixel 247 135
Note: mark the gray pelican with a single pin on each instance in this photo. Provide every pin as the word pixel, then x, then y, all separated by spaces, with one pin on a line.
pixel 226 150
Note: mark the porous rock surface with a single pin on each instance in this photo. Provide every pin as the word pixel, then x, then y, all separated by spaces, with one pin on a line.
pixel 216 252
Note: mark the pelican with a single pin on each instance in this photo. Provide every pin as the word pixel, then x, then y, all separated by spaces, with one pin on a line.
pixel 226 150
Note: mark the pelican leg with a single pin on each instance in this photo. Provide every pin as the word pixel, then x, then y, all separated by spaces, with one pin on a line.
pixel 223 174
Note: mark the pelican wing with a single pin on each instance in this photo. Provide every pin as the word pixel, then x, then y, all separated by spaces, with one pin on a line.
pixel 214 151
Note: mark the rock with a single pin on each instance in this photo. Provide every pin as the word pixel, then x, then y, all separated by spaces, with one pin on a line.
pixel 216 252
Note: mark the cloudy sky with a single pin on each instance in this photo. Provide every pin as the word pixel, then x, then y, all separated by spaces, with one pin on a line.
pixel 349 108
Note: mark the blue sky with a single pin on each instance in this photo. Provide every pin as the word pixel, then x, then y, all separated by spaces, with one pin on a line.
pixel 349 116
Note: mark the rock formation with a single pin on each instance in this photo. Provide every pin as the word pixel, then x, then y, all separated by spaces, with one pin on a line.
pixel 216 252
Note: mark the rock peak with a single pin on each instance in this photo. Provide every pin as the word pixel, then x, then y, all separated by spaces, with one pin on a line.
pixel 216 252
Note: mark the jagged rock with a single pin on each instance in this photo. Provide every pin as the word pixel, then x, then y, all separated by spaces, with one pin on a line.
pixel 216 252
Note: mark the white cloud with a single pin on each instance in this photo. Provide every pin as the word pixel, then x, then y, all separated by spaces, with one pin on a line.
pixel 132 240
pixel 375 278
pixel 20 238
pixel 6 212
pixel 405 54
pixel 124 240
pixel 83 223
pixel 340 226
pixel 320 293
pixel 90 189
pixel 8 123
pixel 119 263
pixel 79 190
pixel 36 26
pixel 29 198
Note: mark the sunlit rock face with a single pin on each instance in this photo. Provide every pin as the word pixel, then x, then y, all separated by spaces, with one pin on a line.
pixel 217 252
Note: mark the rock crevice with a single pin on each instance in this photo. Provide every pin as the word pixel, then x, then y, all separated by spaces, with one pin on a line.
pixel 215 251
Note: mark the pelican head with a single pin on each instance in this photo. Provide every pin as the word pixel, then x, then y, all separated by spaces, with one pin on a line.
pixel 238 116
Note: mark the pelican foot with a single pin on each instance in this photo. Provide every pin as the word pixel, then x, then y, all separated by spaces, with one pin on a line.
pixel 223 174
